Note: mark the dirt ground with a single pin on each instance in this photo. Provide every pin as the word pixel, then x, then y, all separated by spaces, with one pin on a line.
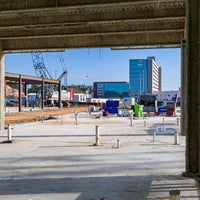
pixel 31 116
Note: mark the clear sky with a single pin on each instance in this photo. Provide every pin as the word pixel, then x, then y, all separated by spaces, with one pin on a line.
pixel 86 66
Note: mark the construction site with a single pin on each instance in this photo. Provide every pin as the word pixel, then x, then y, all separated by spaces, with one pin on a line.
pixel 56 149
pixel 62 157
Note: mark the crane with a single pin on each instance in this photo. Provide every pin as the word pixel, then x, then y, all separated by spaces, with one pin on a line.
pixel 39 66
pixel 63 75
pixel 42 72
pixel 65 72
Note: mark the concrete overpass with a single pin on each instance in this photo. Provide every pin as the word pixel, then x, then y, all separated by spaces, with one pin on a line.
pixel 59 24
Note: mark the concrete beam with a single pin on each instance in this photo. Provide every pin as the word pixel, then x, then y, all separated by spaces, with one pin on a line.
pixel 58 33
pixel 24 5
pixel 109 16
pixel 96 41
pixel 193 88
pixel 77 31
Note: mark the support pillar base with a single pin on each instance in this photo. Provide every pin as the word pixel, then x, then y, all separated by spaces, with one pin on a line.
pixel 192 175
pixel 7 142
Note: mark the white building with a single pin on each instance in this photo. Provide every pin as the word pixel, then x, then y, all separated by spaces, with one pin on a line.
pixel 154 79
pixel 167 95
pixel 81 97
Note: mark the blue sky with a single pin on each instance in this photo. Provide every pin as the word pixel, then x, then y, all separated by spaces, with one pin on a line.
pixel 86 66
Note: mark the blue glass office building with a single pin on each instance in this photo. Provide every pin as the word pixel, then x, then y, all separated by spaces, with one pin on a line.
pixel 138 76
pixel 111 89
pixel 144 76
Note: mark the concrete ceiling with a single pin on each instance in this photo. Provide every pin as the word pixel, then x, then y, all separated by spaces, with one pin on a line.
pixel 60 24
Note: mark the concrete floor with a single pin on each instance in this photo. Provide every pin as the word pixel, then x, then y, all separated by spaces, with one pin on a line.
pixel 57 159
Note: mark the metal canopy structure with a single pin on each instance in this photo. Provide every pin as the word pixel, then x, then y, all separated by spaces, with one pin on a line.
pixel 14 78
pixel 21 80
pixel 59 24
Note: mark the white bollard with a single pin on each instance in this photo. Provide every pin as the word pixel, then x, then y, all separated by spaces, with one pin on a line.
pixel 9 133
pixel 131 117
pixel 97 135
pixel 154 136
pixel 176 141
pixel 76 118
pixel 61 119
pixel 118 143
pixel 178 121
pixel 145 123
pixel 163 121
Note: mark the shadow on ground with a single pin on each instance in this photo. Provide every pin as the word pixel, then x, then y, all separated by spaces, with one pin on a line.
pixel 101 188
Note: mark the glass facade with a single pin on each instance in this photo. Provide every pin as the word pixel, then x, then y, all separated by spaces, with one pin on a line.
pixel 138 76
pixel 112 90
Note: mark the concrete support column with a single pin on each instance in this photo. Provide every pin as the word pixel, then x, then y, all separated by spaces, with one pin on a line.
pixel 20 93
pixel 193 88
pixel 183 88
pixel 42 94
pixel 59 95
pixel 2 92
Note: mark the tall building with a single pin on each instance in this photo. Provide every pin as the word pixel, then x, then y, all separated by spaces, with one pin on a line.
pixel 144 76
pixel 111 89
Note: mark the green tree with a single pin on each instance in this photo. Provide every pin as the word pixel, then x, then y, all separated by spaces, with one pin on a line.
pixel 34 88
pixel 85 88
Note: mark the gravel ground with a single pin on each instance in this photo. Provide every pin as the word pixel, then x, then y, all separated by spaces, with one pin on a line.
pixel 35 114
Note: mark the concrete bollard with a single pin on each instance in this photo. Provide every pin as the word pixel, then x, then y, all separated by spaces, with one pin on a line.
pixel 145 123
pixel 163 121
pixel 174 195
pixel 176 140
pixel 118 143
pixel 76 118
pixel 178 121
pixel 131 118
pixel 9 133
pixel 154 136
pixel 97 135
pixel 61 119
